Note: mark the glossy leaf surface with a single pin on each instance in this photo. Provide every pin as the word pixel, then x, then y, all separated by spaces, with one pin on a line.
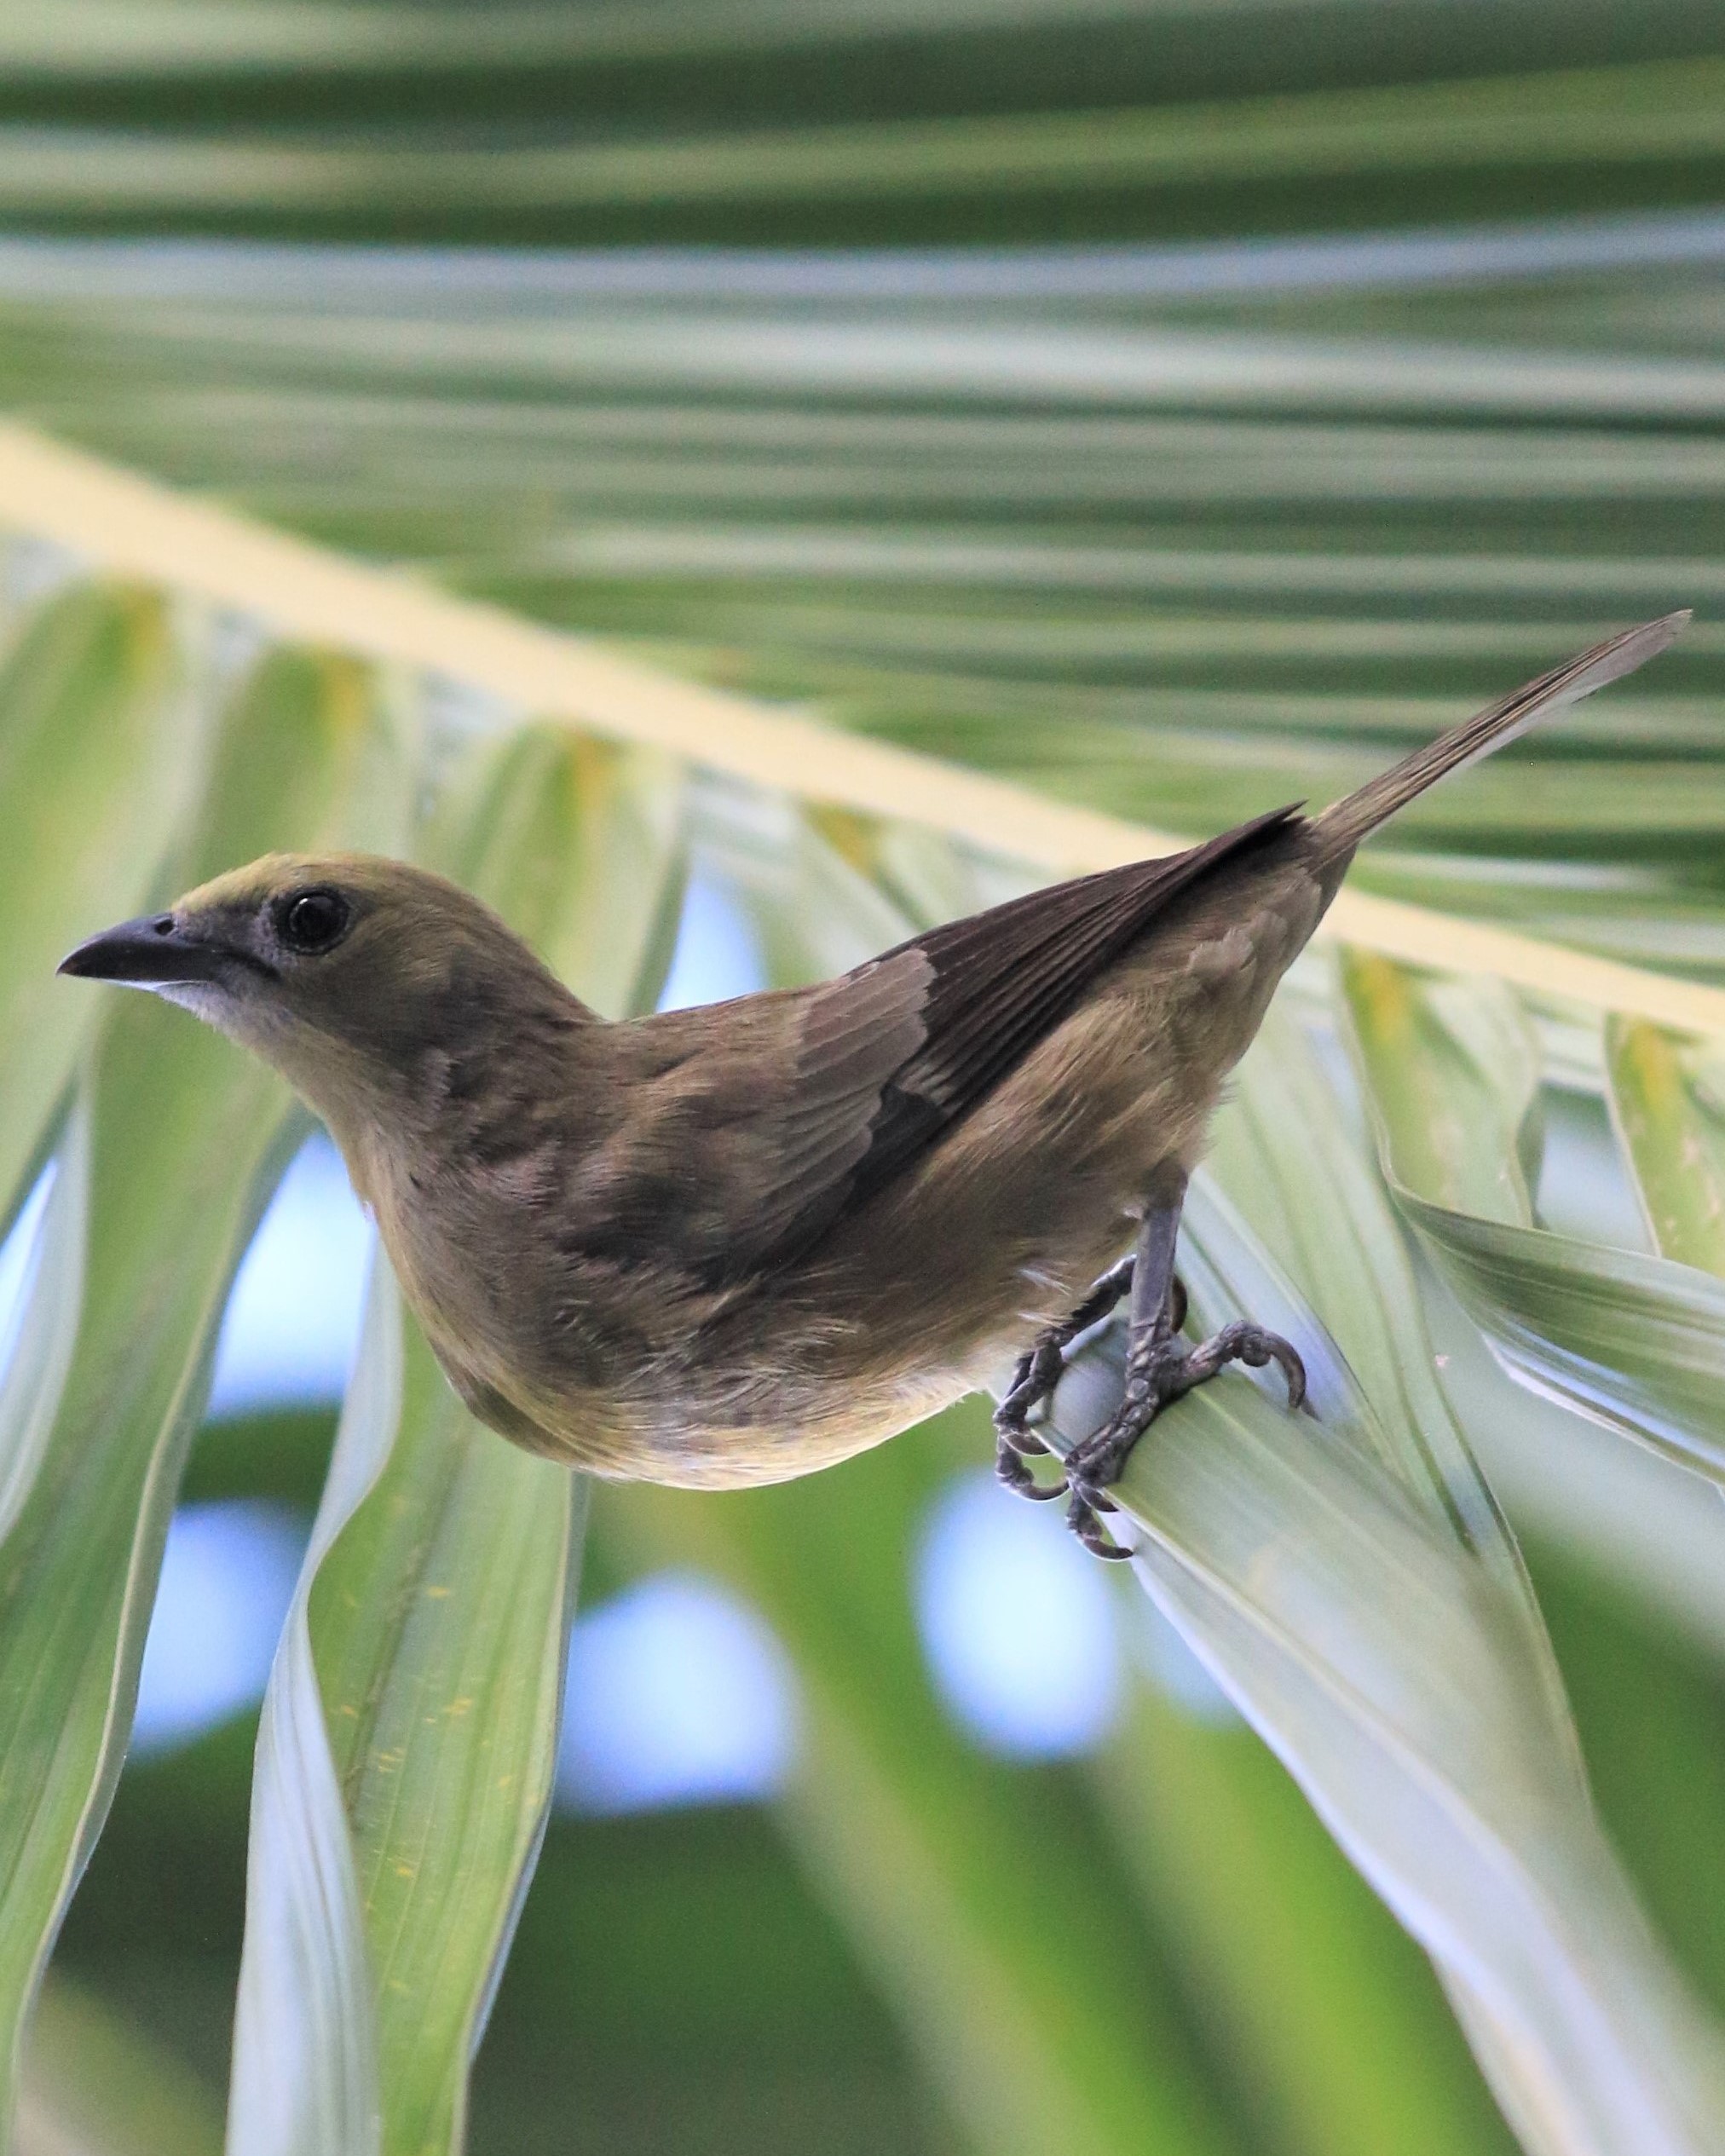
pixel 1633 1341
pixel 175 1142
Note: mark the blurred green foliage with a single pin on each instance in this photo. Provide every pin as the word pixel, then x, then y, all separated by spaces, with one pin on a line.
pixel 675 1986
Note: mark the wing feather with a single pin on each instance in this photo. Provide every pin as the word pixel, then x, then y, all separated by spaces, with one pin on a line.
pixel 774 1115
pixel 1004 979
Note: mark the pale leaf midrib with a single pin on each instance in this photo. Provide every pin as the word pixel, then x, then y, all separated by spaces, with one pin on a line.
pixel 126 523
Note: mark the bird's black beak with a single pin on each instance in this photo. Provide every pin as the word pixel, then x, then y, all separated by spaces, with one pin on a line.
pixel 153 952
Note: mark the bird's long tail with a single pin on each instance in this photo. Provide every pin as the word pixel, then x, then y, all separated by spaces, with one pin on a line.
pixel 1342 827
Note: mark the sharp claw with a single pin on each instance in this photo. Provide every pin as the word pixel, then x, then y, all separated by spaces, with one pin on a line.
pixel 1259 1347
pixel 1088 1529
pixel 1017 1438
pixel 1295 1371
pixel 1039 1493
pixel 1015 1477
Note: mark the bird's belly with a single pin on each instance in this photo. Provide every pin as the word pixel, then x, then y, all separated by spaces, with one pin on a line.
pixel 813 1426
pixel 854 1352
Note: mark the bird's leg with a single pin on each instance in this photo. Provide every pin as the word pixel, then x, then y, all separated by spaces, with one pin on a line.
pixel 1038 1372
pixel 1160 1367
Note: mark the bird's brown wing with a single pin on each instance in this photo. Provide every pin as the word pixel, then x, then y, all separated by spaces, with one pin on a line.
pixel 1001 980
pixel 861 1074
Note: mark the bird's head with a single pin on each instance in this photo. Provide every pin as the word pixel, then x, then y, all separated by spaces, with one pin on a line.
pixel 353 976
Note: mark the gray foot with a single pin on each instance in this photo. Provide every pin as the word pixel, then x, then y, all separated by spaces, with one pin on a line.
pixel 1161 1370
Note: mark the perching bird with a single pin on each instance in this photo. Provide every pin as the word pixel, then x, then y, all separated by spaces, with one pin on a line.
pixel 736 1244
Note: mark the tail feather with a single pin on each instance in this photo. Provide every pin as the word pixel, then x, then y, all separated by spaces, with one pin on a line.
pixel 1341 828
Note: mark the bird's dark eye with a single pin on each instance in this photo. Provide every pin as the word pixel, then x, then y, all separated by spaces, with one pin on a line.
pixel 313 921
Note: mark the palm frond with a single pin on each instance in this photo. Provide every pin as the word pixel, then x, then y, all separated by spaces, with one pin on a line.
pixel 172 1151
pixel 1349 1580
pixel 1164 412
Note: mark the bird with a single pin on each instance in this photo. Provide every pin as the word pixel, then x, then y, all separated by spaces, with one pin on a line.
pixel 736 1243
